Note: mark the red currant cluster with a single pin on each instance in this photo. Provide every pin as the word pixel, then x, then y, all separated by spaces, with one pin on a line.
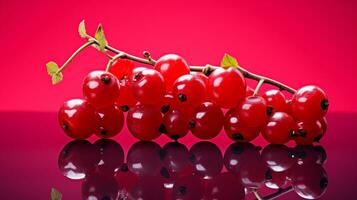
pixel 170 99
pixel 150 171
pixel 173 98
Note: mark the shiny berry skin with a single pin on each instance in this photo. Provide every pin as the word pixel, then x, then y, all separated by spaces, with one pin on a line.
pixel 309 181
pixel 207 121
pixel 171 67
pixel 175 157
pixel 167 104
pixel 78 159
pixel 189 91
pixel 308 154
pixel 276 100
pixel 309 103
pixel 206 158
pixel 237 154
pixel 236 130
pixel 278 157
pixel 253 173
pixel 201 76
pixel 225 186
pixel 144 158
pixel 253 112
pixel 126 98
pixel 249 91
pixel 226 87
pixel 100 88
pixel 279 128
pixel 175 124
pixel 112 121
pixel 100 186
pixel 148 86
pixel 122 68
pixel 112 156
pixel 78 119
pixel 188 187
pixel 309 132
pixel 144 121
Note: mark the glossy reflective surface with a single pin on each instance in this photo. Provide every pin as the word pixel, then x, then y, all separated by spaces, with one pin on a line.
pixel 36 155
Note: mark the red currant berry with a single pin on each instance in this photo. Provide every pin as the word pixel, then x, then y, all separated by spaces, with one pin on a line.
pixel 249 91
pixel 144 122
pixel 253 173
pixel 167 104
pixel 122 68
pixel 279 128
pixel 189 91
pixel 78 159
pixel 176 157
pixel 207 121
pixel 277 157
pixel 308 154
pixel 101 88
pixel 171 67
pixel 126 98
pixel 201 76
pixel 112 156
pixel 309 132
pixel 149 87
pixel 309 103
pixel 175 124
pixel 236 130
pixel 276 100
pixel 112 121
pixel 226 87
pixel 78 119
pixel 253 112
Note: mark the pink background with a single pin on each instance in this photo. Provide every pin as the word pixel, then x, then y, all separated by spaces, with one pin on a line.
pixel 296 42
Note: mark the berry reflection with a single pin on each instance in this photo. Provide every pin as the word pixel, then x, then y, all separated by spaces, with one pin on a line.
pixel 149 171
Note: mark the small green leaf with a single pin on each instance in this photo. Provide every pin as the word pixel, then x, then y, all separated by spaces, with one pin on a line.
pixel 55 194
pixel 229 61
pixel 99 35
pixel 56 78
pixel 82 29
pixel 52 67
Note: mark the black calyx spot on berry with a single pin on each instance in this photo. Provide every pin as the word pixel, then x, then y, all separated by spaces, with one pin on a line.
pixel 165 108
pixel 237 150
pixel 162 128
pixel 269 111
pixel 162 154
pixel 301 155
pixel 106 80
pixel 191 124
pixel 237 136
pixel 137 76
pixel 105 198
pixel 317 138
pixel 124 167
pixel 268 175
pixel 182 97
pixel 292 134
pixel 103 132
pixel 65 153
pixel 324 104
pixel 323 183
pixel 65 126
pixel 175 137
pixel 192 157
pixel 302 133
pixel 124 108
pixel 182 190
pixel 164 172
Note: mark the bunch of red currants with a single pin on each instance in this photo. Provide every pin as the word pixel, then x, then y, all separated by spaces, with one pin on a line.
pixel 170 99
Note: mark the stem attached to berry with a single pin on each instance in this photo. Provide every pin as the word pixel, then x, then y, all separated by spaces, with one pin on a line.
pixel 260 84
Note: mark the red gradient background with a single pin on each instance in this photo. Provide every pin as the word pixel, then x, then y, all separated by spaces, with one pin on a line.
pixel 296 42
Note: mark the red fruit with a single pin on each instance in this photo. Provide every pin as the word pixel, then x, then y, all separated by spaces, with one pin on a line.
pixel 112 121
pixel 175 157
pixel 111 156
pixel 167 103
pixel 309 132
pixel 148 86
pixel 126 98
pixel 236 130
pixel 253 173
pixel 207 121
pixel 201 76
pixel 78 119
pixel 226 87
pixel 309 103
pixel 279 128
pixel 249 91
pixel 175 124
pixel 253 112
pixel 101 88
pixel 171 67
pixel 276 100
pixel 122 68
pixel 78 159
pixel 277 157
pixel 144 122
pixel 189 91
